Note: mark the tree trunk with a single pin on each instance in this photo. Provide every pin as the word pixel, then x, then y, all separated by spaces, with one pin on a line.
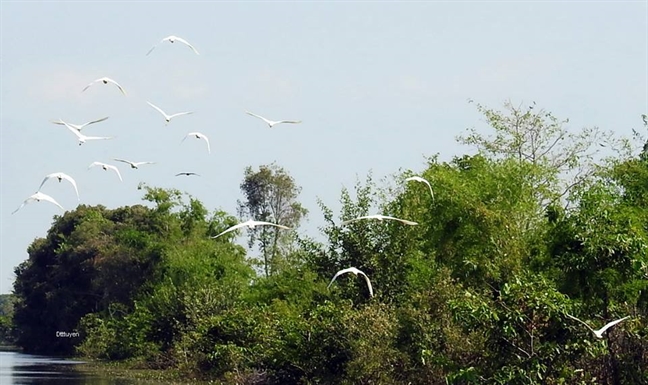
pixel 614 364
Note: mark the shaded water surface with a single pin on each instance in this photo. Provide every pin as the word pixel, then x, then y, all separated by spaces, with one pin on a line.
pixel 18 368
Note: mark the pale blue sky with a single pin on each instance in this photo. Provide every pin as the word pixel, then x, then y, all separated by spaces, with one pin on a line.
pixel 377 85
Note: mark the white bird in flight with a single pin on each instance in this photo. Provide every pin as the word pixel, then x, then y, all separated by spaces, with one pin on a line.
pixel 272 122
pixel 172 39
pixel 250 225
pixel 106 167
pixel 419 179
pixel 83 138
pixel 133 164
pixel 168 117
pixel 355 271
pixel 380 218
pixel 198 135
pixel 80 127
pixel 37 197
pixel 60 176
pixel 599 333
pixel 105 81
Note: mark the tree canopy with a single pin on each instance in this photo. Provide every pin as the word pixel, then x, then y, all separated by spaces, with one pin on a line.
pixel 516 239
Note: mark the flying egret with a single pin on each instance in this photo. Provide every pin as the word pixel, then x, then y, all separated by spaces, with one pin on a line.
pixel 132 164
pixel 105 81
pixel 83 138
pixel 60 176
pixel 172 39
pixel 106 167
pixel 187 174
pixel 198 135
pixel 380 218
pixel 599 333
pixel 250 225
pixel 168 117
pixel 272 123
pixel 80 127
pixel 355 271
pixel 419 179
pixel 37 197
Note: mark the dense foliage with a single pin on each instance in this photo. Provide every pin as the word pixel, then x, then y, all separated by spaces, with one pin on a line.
pixel 6 315
pixel 512 241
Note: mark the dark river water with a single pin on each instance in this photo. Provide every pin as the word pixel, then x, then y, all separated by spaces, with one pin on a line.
pixel 18 368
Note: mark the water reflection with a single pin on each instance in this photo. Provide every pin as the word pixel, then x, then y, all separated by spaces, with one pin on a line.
pixel 18 368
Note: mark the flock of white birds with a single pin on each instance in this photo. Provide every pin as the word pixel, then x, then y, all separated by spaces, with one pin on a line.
pixel 77 131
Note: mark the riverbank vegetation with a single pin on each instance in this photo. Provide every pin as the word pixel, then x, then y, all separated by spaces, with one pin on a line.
pixel 535 226
pixel 6 315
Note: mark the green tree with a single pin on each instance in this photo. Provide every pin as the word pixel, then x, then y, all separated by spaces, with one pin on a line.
pixel 477 293
pixel 92 257
pixel 271 195
pixel 7 305
pixel 563 159
pixel 6 314
pixel 96 260
pixel 600 250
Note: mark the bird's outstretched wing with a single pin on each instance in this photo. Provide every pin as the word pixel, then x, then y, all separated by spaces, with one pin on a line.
pixel 152 48
pixel 61 122
pixel 180 114
pixel 379 217
pixel 123 161
pixel 47 177
pixel 401 220
pixel 368 282
pixel 92 122
pixel 88 86
pixel 339 273
pixel 261 223
pixel 117 171
pixel 181 40
pixel 73 182
pixel 610 324
pixel 51 200
pixel 419 179
pixel 23 204
pixel 354 220
pixel 96 164
pixel 206 140
pixel 157 108
pixel 289 121
pixel 235 227
pixel 74 130
pixel 117 84
pixel 258 116
pixel 98 137
pixel 576 319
